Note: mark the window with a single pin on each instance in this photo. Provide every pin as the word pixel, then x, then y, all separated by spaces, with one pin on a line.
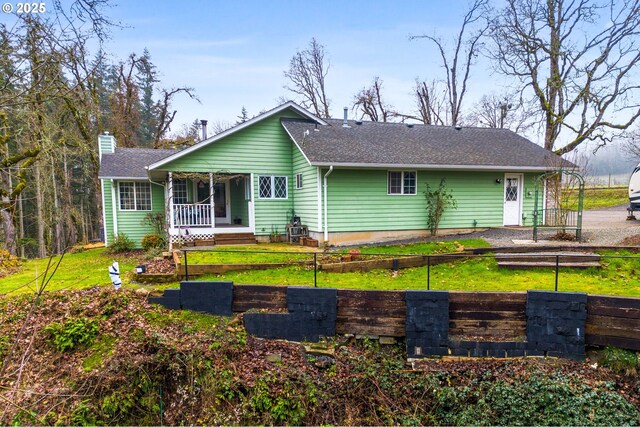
pixel 298 181
pixel 135 196
pixel 402 182
pixel 272 187
pixel 180 192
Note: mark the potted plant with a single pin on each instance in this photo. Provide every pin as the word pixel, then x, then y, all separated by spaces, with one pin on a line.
pixel 237 220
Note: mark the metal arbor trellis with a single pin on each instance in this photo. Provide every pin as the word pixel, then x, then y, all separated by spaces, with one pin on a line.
pixel 558 217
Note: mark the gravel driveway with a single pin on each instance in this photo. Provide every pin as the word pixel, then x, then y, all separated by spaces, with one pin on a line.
pixel 607 226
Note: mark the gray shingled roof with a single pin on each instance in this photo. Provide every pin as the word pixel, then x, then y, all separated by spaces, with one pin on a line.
pixel 388 144
pixel 130 162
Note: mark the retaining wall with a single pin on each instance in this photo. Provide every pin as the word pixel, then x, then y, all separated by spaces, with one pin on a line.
pixel 434 323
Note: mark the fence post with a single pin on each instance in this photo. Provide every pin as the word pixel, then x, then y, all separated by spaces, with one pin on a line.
pixel 186 266
pixel 557 268
pixel 428 272
pixel 315 269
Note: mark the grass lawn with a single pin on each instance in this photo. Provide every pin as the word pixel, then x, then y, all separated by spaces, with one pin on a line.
pixel 268 253
pixel 76 271
pixel 596 198
pixel 617 277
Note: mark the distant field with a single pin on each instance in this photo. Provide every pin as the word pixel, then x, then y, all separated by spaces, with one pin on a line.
pixel 603 197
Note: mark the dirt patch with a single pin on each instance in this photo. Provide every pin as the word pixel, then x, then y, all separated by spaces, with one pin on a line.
pixel 631 241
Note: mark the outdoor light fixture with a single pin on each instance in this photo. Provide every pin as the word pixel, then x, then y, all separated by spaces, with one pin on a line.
pixel 498 181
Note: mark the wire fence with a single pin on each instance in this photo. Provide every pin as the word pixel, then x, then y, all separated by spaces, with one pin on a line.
pixel 340 262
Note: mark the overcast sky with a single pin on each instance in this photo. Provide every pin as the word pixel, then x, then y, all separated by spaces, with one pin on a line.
pixel 234 52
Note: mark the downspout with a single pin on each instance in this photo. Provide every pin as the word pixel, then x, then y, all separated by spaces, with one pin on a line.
pixel 326 221
pixel 114 208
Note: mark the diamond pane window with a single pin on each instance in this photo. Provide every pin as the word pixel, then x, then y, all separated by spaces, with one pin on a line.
pixel 265 186
pixel 280 187
pixel 511 191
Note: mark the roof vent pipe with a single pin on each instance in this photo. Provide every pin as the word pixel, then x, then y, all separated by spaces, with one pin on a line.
pixel 345 124
pixel 203 123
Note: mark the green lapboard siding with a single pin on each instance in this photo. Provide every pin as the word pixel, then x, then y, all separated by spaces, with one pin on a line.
pixel 262 149
pixel 108 210
pixel 131 222
pixel 305 199
pixel 529 198
pixel 358 201
pixel 239 206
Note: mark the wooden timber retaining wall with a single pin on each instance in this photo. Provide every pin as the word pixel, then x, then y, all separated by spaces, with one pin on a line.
pixel 473 316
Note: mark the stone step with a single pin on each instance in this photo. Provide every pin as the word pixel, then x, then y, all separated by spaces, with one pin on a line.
pixel 515 265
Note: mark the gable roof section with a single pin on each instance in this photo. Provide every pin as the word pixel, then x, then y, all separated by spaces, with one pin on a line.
pixel 130 163
pixel 392 145
pixel 287 105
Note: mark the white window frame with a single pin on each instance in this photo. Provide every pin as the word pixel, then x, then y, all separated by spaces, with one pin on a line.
pixel 273 187
pixel 402 182
pixel 299 182
pixel 135 196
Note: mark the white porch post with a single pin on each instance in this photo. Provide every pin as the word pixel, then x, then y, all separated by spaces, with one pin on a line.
pixel 212 215
pixel 252 206
pixel 171 216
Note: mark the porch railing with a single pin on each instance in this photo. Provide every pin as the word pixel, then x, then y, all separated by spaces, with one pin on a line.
pixel 192 215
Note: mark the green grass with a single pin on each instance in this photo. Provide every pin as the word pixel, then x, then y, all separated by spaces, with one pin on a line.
pixel 602 197
pixel 268 253
pixel 617 277
pixel 76 271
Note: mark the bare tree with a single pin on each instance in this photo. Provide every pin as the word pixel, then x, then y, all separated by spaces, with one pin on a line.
pixel 502 111
pixel 368 102
pixel 457 64
pixel 306 75
pixel 430 104
pixel 578 60
pixel 631 143
pixel 163 114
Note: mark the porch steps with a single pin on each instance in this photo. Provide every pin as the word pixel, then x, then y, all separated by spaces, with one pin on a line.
pixel 235 239
pixel 548 260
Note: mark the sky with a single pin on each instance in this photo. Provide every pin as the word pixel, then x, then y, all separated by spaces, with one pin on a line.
pixel 234 53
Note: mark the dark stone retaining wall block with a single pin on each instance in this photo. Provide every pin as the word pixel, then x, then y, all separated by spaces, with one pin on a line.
pixel 312 314
pixel 427 323
pixel 170 299
pixel 209 297
pixel 556 324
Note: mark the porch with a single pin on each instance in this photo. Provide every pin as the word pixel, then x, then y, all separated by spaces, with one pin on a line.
pixel 203 205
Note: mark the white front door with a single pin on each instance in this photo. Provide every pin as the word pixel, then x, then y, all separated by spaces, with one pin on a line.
pixel 512 199
pixel 221 202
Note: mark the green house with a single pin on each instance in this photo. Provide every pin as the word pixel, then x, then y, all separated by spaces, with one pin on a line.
pixel 347 181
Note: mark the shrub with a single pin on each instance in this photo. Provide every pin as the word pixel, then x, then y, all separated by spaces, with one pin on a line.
pixel 621 361
pixel 72 333
pixel 121 243
pixel 438 201
pixel 153 241
pixel 8 263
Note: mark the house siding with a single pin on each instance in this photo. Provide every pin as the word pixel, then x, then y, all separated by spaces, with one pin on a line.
pixel 305 199
pixel 107 208
pixel 130 223
pixel 261 149
pixel 358 201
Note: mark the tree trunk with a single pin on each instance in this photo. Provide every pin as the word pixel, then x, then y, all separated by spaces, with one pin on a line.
pixel 42 250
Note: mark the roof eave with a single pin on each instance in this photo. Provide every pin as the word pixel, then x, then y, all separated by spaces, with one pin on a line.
pixel 276 110
pixel 488 168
